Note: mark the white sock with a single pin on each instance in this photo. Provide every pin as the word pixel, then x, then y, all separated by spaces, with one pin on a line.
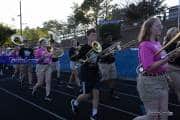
pixel 76 103
pixel 94 111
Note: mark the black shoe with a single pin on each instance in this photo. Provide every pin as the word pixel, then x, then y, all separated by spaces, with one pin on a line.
pixel 61 82
pixel 30 87
pixel 74 108
pixel 115 97
pixel 94 117
pixel 48 98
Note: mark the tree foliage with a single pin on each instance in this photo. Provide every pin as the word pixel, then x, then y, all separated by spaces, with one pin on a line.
pixel 91 10
pixel 5 33
pixel 52 25
pixel 35 33
pixel 145 9
pixel 139 10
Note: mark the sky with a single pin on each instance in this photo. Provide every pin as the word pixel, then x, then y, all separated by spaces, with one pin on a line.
pixel 35 12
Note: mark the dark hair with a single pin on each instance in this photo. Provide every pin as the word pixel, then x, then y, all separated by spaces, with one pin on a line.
pixel 92 30
pixel 107 35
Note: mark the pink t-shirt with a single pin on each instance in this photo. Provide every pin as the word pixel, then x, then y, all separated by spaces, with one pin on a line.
pixel 147 51
pixel 43 55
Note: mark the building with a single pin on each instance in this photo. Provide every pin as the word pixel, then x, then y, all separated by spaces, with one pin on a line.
pixel 173 13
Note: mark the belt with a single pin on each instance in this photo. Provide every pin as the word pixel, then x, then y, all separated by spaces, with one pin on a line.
pixel 153 74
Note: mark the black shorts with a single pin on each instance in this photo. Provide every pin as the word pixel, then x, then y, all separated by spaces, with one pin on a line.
pixel 89 74
pixel 87 87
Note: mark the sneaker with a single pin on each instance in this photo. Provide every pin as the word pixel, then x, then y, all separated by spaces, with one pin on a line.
pixel 94 117
pixel 34 92
pixel 48 98
pixel 69 86
pixel 61 82
pixel 73 107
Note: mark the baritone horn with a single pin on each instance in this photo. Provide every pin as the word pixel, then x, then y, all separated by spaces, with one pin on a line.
pixel 17 39
pixel 92 54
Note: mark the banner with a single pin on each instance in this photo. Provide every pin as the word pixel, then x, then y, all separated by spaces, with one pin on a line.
pixel 13 60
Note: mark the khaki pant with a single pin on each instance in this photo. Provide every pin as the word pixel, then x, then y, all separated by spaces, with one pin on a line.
pixel 152 87
pixel 108 71
pixel 43 69
pixel 175 79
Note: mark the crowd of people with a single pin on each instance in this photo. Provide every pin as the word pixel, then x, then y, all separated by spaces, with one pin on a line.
pixel 158 69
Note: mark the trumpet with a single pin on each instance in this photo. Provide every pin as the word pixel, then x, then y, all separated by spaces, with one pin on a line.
pixel 17 39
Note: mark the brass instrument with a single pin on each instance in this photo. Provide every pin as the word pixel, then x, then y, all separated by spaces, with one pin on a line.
pixel 91 55
pixel 97 50
pixel 173 54
pixel 116 46
pixel 49 48
pixel 174 39
pixel 53 36
pixel 17 39
pixel 58 52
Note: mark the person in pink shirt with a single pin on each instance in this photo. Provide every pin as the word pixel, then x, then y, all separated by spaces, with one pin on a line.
pixel 43 68
pixel 152 82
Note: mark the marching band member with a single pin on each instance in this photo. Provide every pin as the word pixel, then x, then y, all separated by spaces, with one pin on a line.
pixel 26 52
pixel 175 64
pixel 55 58
pixel 107 65
pixel 89 76
pixel 73 64
pixel 43 68
pixel 15 54
pixel 152 83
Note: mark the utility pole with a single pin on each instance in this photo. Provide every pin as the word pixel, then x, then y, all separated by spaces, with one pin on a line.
pixel 20 17
pixel 178 15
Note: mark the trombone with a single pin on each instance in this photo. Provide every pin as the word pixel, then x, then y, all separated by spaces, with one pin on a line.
pixel 174 39
pixel 111 49
pixel 173 54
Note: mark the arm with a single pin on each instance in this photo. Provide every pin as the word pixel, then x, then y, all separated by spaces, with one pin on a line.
pixel 147 59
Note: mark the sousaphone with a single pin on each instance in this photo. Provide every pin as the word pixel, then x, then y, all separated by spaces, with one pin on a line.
pixel 17 39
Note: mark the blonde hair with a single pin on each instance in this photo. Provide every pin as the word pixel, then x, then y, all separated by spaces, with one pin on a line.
pixel 169 34
pixel 145 31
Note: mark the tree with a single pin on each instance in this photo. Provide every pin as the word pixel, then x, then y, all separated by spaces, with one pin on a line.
pixel 34 34
pixel 107 8
pixel 52 25
pixel 144 9
pixel 91 10
pixel 5 33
